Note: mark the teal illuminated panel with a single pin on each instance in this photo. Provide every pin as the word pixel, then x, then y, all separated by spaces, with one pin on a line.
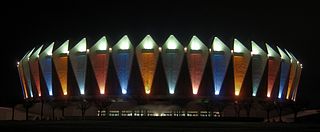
pixel 78 59
pixel 259 61
pixel 172 57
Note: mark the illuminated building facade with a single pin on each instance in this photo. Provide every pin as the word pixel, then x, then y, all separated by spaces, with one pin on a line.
pixel 149 70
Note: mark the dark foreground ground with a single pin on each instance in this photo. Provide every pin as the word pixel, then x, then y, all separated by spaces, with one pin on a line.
pixel 152 126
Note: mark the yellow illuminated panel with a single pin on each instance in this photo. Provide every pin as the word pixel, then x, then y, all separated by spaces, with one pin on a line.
pixel 147 54
pixel 148 66
pixel 293 68
pixel 241 60
pixel 240 69
pixel 60 60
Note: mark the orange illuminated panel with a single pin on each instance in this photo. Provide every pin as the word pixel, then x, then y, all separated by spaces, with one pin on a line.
pixel 240 64
pixel 148 64
pixel 273 68
pixel 61 64
pixel 34 68
pixel 23 81
pixel 100 66
pixel 292 75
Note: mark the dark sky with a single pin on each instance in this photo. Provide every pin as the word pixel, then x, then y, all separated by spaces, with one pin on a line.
pixel 290 26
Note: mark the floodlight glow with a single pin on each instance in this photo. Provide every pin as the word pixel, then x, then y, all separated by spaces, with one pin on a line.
pixel 124 91
pixel 195 91
pixel 254 94
pixel 147 91
pixel 216 93
pixel 171 91
pixel 237 93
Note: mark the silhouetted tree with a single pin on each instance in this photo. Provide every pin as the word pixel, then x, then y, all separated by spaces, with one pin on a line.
pixel 237 108
pixel 296 107
pixel 247 106
pixel 267 106
pixel 27 105
pixel 83 106
pixel 279 107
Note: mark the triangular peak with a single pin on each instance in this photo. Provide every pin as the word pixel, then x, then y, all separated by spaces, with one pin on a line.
pixel 218 45
pixel 63 48
pixel 25 56
pixel 36 53
pixel 172 43
pixel 81 46
pixel 148 43
pixel 292 58
pixel 29 54
pixel 271 52
pixel 238 47
pixel 48 50
pixel 284 56
pixel 196 44
pixel 256 50
pixel 124 43
pixel 101 44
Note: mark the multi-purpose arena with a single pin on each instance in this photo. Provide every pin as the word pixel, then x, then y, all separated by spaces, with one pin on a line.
pixel 153 79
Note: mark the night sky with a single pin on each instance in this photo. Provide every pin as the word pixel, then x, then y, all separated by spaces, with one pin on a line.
pixel 290 26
